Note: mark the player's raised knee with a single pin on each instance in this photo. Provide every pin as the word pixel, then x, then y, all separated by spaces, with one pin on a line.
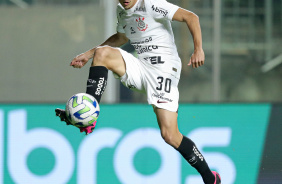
pixel 101 56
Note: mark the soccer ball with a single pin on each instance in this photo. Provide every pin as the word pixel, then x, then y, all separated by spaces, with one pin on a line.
pixel 82 110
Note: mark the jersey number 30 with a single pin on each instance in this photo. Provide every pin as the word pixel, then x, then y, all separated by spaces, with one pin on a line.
pixel 167 85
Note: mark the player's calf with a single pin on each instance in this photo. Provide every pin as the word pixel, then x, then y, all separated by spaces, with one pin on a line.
pixel 195 158
pixel 97 81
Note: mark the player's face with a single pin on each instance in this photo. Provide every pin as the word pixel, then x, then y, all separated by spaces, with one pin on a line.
pixel 127 4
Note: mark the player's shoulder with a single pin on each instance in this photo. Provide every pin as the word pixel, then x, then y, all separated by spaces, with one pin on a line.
pixel 147 2
pixel 151 4
pixel 119 7
pixel 120 10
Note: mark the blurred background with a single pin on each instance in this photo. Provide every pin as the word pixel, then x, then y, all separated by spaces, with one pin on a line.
pixel 241 39
pixel 236 96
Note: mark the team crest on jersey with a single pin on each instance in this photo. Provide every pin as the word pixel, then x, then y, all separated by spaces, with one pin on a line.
pixel 141 25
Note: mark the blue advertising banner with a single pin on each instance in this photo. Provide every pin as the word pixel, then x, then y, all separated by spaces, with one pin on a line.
pixel 126 147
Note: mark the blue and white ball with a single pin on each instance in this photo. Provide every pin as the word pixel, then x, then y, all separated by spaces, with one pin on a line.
pixel 82 110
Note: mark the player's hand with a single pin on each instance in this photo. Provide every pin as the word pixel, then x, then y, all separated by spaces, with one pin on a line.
pixel 80 60
pixel 197 59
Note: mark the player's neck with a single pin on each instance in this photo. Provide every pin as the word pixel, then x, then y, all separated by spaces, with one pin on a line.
pixel 131 4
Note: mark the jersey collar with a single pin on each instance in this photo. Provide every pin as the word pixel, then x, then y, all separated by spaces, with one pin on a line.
pixel 131 10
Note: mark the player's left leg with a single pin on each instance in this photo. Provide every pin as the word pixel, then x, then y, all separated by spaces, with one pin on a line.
pixel 167 121
pixel 105 58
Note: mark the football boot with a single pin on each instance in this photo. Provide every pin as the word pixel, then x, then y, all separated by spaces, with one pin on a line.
pixel 217 178
pixel 62 114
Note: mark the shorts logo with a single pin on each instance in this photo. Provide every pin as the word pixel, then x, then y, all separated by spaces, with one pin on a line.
pixel 141 25
pixel 161 102
pixel 161 98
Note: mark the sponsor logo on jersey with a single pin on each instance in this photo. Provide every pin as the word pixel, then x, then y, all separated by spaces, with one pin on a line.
pixel 132 30
pixel 141 25
pixel 142 9
pixel 161 98
pixel 145 48
pixel 155 60
pixel 147 40
pixel 160 10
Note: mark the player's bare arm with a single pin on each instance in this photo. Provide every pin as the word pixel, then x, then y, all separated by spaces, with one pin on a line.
pixel 192 20
pixel 115 40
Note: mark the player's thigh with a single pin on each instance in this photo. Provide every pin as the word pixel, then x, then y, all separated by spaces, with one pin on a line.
pixel 111 58
pixel 133 78
pixel 166 119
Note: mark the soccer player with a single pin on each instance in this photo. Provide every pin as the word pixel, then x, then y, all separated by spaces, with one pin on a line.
pixel 156 71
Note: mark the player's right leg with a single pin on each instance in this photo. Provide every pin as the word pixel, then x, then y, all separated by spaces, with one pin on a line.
pixel 165 105
pixel 105 58
pixel 167 121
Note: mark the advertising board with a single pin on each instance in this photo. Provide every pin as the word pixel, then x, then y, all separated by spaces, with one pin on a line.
pixel 126 146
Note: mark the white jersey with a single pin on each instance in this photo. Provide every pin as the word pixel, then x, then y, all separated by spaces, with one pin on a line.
pixel 148 27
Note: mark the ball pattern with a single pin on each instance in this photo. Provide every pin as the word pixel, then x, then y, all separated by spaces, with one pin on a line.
pixel 82 110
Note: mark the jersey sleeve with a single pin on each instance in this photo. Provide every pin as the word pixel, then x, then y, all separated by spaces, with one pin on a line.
pixel 161 9
pixel 119 21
